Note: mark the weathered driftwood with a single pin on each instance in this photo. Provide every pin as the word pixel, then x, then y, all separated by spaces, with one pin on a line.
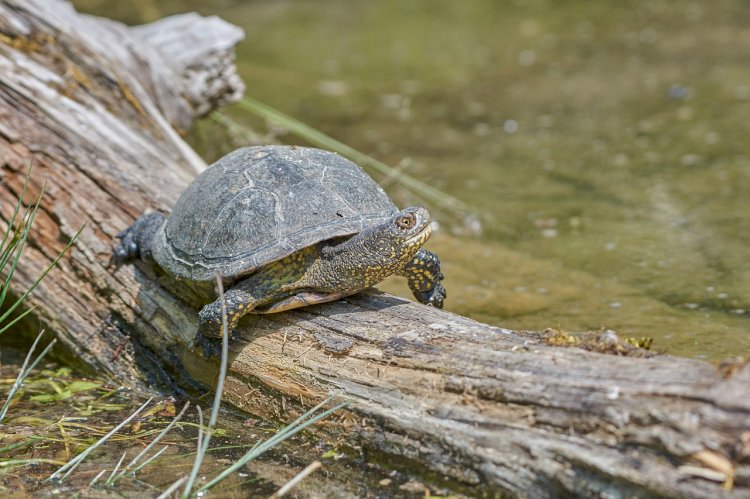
pixel 457 404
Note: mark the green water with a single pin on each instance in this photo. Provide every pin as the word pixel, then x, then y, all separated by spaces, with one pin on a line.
pixel 601 145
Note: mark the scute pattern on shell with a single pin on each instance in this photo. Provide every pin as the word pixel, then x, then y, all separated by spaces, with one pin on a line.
pixel 259 204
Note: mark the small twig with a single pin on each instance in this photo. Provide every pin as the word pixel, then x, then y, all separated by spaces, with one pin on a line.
pixel 96 478
pixel 297 479
pixel 172 488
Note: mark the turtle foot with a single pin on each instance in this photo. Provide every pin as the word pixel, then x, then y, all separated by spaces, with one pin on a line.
pixel 424 276
pixel 433 297
pixel 135 240
pixel 211 346
pixel 127 248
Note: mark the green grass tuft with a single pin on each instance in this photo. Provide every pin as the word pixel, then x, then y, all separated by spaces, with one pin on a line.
pixel 11 248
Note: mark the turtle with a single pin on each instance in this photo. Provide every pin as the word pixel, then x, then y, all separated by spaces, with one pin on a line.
pixel 285 227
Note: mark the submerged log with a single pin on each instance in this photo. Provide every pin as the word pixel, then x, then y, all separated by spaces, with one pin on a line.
pixel 451 402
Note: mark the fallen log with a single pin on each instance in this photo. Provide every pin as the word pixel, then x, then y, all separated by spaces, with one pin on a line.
pixel 454 403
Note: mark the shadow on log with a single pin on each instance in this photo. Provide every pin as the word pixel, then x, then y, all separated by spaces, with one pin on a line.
pixel 455 403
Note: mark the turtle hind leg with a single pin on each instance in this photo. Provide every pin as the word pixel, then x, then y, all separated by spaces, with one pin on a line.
pixel 423 276
pixel 240 301
pixel 135 241
pixel 210 330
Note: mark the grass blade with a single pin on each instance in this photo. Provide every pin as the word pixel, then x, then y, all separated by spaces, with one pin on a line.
pixel 28 220
pixel 203 446
pixel 150 459
pixel 16 319
pixel 198 456
pixel 46 271
pixel 73 463
pixel 117 467
pixel 320 139
pixel 298 425
pixel 150 446
pixel 12 219
pixel 24 372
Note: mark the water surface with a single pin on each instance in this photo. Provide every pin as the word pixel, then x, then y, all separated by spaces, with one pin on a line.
pixel 601 146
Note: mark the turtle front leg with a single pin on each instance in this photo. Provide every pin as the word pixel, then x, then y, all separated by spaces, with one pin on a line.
pixel 210 330
pixel 423 276
pixel 135 241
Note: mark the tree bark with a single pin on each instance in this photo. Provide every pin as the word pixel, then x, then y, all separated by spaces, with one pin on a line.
pixel 457 404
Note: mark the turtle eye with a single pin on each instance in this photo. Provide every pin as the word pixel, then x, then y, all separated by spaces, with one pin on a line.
pixel 406 221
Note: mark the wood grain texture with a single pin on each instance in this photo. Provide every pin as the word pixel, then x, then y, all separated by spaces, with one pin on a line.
pixel 460 405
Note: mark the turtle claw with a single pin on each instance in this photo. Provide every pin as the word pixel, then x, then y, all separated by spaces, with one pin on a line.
pixel 211 346
pixel 127 249
pixel 433 297
pixel 135 241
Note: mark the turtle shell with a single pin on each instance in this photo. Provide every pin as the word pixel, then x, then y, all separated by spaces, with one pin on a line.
pixel 260 204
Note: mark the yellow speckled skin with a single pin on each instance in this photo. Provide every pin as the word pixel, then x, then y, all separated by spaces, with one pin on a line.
pixel 334 269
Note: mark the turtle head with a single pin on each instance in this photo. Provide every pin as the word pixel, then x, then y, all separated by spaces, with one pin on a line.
pixel 406 232
pixel 382 250
pixel 374 254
